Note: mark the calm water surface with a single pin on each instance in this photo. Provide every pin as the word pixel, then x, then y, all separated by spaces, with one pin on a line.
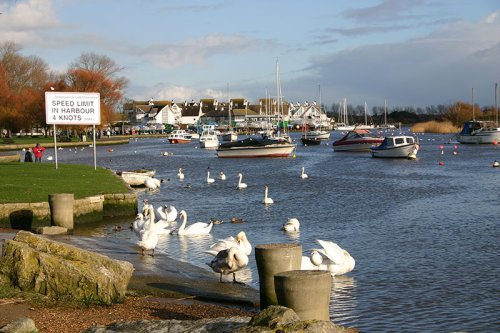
pixel 425 237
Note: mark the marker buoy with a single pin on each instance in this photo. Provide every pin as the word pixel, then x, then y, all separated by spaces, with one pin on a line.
pixel 441 147
pixel 495 142
pixel 454 153
pixel 441 163
pixel 496 164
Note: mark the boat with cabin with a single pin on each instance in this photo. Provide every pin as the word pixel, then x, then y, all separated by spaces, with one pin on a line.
pixel 179 136
pixel 136 177
pixel 357 140
pixel 208 138
pixel 255 147
pixel 397 146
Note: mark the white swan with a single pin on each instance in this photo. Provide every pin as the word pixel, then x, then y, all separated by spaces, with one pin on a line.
pixel 312 262
pixel 240 184
pixel 167 213
pixel 222 176
pixel 198 228
pixel 138 224
pixel 149 236
pixel 229 261
pixel 209 180
pixel 333 259
pixel 267 200
pixel 303 175
pixel 292 225
pixel 241 242
pixel 180 174
pixel 153 183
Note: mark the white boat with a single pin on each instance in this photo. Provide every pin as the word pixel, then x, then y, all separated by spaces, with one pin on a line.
pixel 208 139
pixel 343 124
pixel 397 146
pixel 229 136
pixel 385 125
pixel 357 140
pixel 179 136
pixel 255 147
pixel 318 134
pixel 136 177
pixel 475 131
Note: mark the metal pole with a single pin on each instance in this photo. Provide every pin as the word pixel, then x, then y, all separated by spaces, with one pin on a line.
pixel 473 111
pixel 55 145
pixel 496 102
pixel 95 160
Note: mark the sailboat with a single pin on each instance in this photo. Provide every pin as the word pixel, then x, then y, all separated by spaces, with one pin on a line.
pixel 385 125
pixel 318 133
pixel 366 126
pixel 259 147
pixel 229 135
pixel 476 131
pixel 343 124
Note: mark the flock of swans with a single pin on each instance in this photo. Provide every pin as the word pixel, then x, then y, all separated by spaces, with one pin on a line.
pixel 230 254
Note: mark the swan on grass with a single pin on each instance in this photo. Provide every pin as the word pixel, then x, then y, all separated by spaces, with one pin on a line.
pixel 180 174
pixel 229 261
pixel 240 184
pixel 241 242
pixel 198 228
pixel 331 258
pixel 267 200
pixel 303 175
pixel 222 176
pixel 292 225
pixel 149 235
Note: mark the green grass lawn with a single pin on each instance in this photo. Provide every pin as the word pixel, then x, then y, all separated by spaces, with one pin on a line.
pixel 33 182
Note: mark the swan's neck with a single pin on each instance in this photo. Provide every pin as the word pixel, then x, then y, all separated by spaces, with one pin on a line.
pixel 183 225
pixel 265 192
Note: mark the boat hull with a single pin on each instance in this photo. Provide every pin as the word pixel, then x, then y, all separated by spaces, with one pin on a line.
pixel 178 140
pixel 321 135
pixel 310 141
pixel 489 136
pixel 134 178
pixel 407 151
pixel 209 144
pixel 275 150
pixel 229 137
pixel 356 146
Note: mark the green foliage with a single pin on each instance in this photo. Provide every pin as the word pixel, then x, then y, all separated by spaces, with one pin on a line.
pixel 33 182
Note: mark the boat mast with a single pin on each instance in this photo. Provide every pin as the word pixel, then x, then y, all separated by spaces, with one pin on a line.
pixel 229 108
pixel 278 95
pixel 473 113
pixel 385 112
pixel 496 102
pixel 366 121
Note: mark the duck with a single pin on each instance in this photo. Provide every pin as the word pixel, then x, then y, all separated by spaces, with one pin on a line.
pixel 117 228
pixel 229 261
pixel 216 221
pixel 496 164
pixel 180 174
pixel 303 175
pixel 198 228
pixel 240 184
pixel 333 259
pixel 292 225
pixel 237 220
pixel 149 236
pixel 241 242
pixel 153 183
pixel 222 176
pixel 267 200
pixel 209 180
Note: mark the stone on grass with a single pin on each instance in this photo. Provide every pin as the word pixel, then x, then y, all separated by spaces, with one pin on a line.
pixel 63 272
pixel 20 325
pixel 52 230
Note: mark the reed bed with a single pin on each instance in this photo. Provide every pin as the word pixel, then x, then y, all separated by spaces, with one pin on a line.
pixel 441 127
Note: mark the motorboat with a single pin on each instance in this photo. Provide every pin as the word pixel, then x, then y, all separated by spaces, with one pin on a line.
pixel 136 177
pixel 357 140
pixel 475 131
pixel 307 141
pixel 318 134
pixel 179 136
pixel 229 136
pixel 397 146
pixel 208 139
pixel 255 147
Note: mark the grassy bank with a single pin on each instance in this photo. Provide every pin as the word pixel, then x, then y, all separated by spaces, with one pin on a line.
pixel 33 182
pixel 441 127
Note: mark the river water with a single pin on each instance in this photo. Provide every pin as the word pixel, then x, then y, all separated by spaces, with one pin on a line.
pixel 425 236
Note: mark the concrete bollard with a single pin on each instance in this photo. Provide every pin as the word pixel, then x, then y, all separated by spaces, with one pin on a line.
pixel 272 259
pixel 306 292
pixel 61 209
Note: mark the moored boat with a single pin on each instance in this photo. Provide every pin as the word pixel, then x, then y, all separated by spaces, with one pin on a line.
pixel 179 136
pixel 208 139
pixel 357 140
pixel 397 146
pixel 310 141
pixel 255 147
pixel 136 177
pixel 475 131
pixel 229 136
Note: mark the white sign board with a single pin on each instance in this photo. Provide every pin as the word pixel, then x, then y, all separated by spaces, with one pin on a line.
pixel 72 108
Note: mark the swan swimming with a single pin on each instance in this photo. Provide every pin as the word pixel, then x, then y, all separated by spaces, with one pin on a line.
pixel 198 228
pixel 149 236
pixel 331 258
pixel 180 174
pixel 229 261
pixel 267 200
pixel 292 225
pixel 222 176
pixel 209 180
pixel 167 213
pixel 303 175
pixel 240 184
pixel 153 183
pixel 241 242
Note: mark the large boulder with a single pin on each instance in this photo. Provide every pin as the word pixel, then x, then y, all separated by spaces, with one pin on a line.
pixel 64 272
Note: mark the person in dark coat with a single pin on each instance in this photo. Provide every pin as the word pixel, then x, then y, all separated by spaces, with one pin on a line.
pixel 28 157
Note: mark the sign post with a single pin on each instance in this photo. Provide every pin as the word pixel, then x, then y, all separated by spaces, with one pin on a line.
pixel 72 108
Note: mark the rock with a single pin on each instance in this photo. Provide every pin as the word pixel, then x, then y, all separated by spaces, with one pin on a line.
pixel 20 325
pixel 274 316
pixel 52 230
pixel 64 272
pixel 216 325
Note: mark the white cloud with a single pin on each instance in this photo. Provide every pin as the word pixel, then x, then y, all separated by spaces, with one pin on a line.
pixel 29 15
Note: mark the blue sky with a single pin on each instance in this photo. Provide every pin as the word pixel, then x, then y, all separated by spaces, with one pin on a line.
pixel 409 52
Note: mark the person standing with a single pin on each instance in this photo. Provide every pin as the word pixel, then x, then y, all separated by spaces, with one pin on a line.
pixel 28 156
pixel 38 152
